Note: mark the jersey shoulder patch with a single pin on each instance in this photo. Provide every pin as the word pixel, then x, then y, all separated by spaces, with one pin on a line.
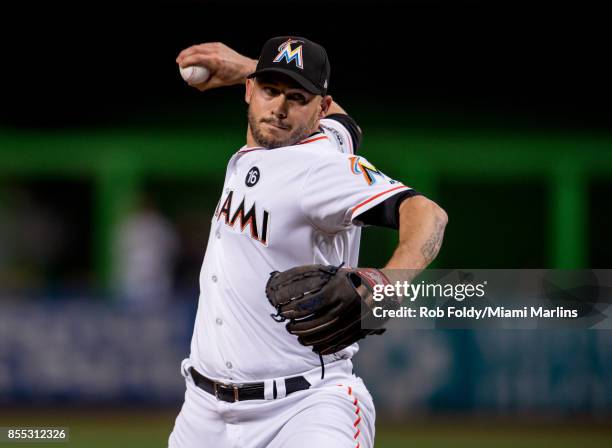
pixel 359 166
pixel 339 140
pixel 338 135
pixel 346 128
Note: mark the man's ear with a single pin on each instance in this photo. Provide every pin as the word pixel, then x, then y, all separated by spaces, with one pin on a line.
pixel 326 103
pixel 248 93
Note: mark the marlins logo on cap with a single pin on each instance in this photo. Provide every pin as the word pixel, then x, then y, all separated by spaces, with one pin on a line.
pixel 286 52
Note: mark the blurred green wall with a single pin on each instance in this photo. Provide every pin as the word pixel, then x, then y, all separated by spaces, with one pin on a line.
pixel 515 199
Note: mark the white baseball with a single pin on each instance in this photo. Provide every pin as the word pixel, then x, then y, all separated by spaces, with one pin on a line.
pixel 195 74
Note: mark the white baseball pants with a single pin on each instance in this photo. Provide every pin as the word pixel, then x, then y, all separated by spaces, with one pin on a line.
pixel 335 412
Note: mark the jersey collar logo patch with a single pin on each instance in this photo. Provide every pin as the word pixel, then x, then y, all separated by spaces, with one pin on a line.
pixel 288 53
pixel 252 177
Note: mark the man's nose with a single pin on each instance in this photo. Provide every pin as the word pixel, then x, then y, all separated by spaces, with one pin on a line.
pixel 279 108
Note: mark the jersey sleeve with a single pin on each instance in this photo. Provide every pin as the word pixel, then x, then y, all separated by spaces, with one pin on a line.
pixel 386 213
pixel 340 187
pixel 343 131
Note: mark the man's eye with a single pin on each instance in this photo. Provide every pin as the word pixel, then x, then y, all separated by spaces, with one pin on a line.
pixel 299 98
pixel 270 91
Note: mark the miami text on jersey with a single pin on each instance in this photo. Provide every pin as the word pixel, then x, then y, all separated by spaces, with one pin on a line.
pixel 245 219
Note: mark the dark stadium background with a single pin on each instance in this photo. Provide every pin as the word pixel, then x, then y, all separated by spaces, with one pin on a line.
pixel 491 108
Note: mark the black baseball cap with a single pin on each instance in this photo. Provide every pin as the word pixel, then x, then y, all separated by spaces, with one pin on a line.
pixel 302 60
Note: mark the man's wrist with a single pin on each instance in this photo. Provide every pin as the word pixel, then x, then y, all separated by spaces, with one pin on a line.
pixel 249 67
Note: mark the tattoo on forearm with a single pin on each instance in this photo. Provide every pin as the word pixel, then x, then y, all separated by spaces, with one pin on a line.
pixel 432 245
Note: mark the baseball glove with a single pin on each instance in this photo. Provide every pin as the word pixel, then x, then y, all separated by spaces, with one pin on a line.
pixel 328 307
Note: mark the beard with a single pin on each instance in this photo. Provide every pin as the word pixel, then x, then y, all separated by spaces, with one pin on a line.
pixel 292 137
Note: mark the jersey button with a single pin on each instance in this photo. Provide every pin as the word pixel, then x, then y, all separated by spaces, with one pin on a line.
pixel 218 234
pixel 214 278
pixel 219 321
pixel 228 365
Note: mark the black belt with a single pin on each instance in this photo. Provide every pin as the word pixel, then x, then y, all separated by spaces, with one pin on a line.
pixel 251 391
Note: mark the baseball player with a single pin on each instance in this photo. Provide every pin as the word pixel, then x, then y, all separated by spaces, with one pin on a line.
pixel 282 300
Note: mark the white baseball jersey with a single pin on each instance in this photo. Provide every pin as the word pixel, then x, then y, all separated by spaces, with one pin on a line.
pixel 279 208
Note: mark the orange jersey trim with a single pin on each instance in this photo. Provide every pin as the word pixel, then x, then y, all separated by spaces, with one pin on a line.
pixel 250 149
pixel 255 148
pixel 400 187
pixel 313 140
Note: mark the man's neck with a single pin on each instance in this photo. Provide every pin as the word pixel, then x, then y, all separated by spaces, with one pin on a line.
pixel 250 140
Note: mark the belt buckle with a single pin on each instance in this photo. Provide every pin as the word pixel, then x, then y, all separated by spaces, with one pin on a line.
pixel 217 386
